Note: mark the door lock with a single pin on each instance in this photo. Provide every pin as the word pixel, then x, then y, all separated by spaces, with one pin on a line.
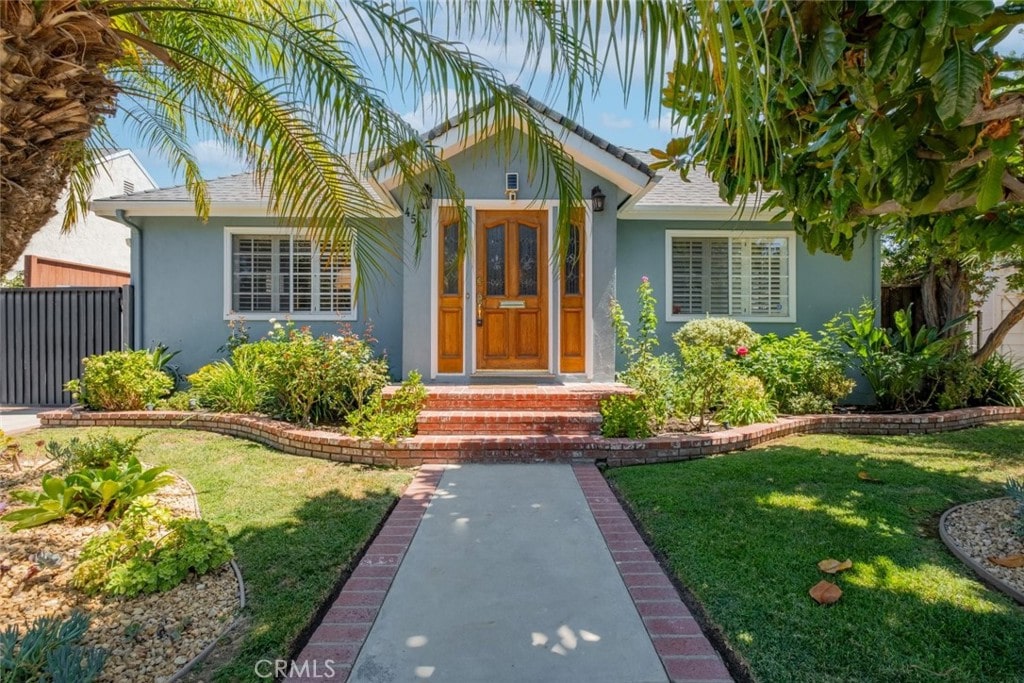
pixel 479 310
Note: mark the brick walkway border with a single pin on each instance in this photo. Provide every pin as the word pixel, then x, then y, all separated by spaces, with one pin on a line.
pixel 684 650
pixel 421 450
pixel 344 628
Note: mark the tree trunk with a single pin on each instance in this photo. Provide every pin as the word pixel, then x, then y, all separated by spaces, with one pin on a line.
pixel 996 336
pixel 53 90
pixel 944 295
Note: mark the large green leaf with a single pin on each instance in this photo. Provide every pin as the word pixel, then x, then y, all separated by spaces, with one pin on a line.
pixel 967 12
pixel 956 85
pixel 828 48
pixel 990 190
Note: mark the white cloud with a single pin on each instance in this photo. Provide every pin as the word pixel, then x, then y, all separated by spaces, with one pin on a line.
pixel 432 109
pixel 609 120
pixel 215 159
pixel 664 124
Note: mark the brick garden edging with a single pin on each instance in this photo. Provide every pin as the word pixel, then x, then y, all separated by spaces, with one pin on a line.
pixel 685 651
pixel 344 628
pixel 420 450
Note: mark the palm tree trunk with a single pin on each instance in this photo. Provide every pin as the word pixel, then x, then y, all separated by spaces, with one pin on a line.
pixel 53 89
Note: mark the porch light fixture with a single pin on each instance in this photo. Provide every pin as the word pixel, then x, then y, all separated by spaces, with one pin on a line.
pixel 597 197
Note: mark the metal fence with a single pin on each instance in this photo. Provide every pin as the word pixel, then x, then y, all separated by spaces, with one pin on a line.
pixel 47 332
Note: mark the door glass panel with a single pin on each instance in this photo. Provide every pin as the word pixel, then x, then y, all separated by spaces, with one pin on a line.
pixel 496 261
pixel 527 261
pixel 451 259
pixel 571 267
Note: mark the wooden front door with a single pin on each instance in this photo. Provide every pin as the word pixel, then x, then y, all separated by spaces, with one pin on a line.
pixel 511 290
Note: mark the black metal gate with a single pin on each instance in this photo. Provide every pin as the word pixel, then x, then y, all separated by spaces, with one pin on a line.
pixel 47 332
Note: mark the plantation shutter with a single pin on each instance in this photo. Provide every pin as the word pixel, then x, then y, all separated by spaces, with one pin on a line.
pixel 286 274
pixel 730 276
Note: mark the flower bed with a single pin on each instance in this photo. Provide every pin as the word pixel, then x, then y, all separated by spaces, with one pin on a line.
pixel 419 450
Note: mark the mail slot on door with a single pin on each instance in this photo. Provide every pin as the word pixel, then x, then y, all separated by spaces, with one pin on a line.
pixel 512 304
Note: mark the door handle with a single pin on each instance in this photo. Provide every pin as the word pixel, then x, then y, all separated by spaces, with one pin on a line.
pixel 479 310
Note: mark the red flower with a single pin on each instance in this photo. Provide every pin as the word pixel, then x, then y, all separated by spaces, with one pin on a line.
pixel 742 351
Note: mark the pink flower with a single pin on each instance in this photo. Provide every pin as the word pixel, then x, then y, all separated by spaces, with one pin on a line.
pixel 644 279
pixel 742 351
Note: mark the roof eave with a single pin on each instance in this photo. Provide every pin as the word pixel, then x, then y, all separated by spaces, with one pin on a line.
pixel 108 208
pixel 693 213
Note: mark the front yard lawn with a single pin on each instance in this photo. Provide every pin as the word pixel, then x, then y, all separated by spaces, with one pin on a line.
pixel 295 524
pixel 745 531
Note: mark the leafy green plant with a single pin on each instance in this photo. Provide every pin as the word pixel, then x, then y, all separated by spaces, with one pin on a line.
pixel 746 402
pixel 653 376
pixel 179 400
pixel 150 553
pixel 801 374
pixel 237 386
pixel 49 651
pixel 100 493
pixel 161 357
pixel 394 418
pixel 120 380
pixel 1003 381
pixel 719 333
pixel 1015 490
pixel 625 416
pixel 96 451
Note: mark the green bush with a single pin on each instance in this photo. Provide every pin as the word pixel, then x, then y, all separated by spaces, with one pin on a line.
pixel 653 376
pixel 392 419
pixel 745 402
pixel 236 387
pixel 120 380
pixel 801 374
pixel 625 416
pixel 295 376
pixel 1002 382
pixel 100 493
pixel 97 451
pixel 148 554
pixel 49 651
pixel 718 333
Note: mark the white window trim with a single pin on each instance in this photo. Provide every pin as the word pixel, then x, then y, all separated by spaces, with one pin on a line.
pixel 300 316
pixel 789 235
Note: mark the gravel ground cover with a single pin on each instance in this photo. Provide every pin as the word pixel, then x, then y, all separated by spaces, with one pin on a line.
pixel 984 530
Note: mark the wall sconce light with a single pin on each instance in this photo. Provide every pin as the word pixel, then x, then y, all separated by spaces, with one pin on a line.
pixel 597 197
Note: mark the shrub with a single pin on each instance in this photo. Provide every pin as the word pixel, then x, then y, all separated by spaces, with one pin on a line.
pixel 746 402
pixel 94 492
pixel 718 333
pixel 49 651
pixel 148 554
pixel 1015 490
pixel 653 376
pixel 236 387
pixel 625 416
pixel 711 382
pixel 120 380
pixel 97 451
pixel 392 419
pixel 1002 382
pixel 801 375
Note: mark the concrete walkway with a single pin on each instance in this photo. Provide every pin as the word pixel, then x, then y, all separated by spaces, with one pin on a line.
pixel 511 573
pixel 15 419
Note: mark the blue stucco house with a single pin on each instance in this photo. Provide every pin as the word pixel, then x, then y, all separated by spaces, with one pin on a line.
pixel 508 309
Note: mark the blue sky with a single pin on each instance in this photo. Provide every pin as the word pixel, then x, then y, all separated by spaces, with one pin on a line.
pixel 606 114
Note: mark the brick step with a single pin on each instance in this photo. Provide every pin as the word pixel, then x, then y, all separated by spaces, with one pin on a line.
pixel 564 398
pixel 508 422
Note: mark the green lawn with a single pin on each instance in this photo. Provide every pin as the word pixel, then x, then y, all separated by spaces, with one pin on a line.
pixel 295 523
pixel 745 531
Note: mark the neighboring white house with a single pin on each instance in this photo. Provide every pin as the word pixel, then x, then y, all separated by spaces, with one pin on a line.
pixel 995 308
pixel 95 241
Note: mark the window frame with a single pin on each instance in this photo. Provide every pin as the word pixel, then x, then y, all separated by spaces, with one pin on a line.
pixel 230 314
pixel 788 235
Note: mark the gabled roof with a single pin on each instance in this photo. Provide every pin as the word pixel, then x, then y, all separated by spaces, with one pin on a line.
pixel 587 148
pixel 669 196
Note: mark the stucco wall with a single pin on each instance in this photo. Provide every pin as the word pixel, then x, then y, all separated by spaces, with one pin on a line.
pixel 182 292
pixel 95 241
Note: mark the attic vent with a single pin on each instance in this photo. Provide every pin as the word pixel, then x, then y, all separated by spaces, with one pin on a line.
pixel 129 187
pixel 511 185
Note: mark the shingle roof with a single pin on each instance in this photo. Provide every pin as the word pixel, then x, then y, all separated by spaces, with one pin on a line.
pixel 670 190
